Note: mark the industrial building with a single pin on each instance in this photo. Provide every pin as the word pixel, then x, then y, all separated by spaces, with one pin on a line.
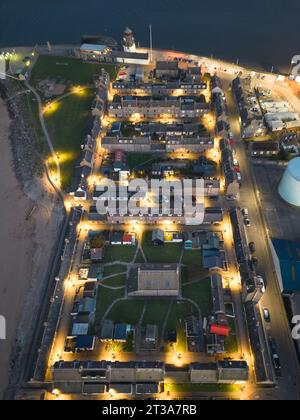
pixel 264 148
pixel 286 256
pixel 289 188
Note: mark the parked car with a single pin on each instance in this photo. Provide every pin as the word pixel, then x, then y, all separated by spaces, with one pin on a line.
pixel 245 212
pixel 261 283
pixel 231 198
pixel 267 315
pixel 247 222
pixel 253 262
pixel 252 247
pixel 277 364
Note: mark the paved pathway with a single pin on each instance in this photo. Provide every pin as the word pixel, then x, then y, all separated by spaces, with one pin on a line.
pixel 110 308
pixel 48 138
pixel 165 323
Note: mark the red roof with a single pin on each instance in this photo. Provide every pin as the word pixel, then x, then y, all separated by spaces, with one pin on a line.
pixel 222 330
pixel 127 239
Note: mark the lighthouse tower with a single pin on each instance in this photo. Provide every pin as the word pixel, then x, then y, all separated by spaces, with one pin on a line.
pixel 128 41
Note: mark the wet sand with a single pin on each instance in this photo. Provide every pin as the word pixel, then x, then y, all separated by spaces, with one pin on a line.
pixel 28 231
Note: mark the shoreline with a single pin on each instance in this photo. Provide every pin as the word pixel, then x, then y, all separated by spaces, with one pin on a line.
pixel 15 244
pixel 243 63
pixel 30 218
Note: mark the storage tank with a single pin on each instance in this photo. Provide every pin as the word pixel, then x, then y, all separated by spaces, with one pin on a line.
pixel 289 187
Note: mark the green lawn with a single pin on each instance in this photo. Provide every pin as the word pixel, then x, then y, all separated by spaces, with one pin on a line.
pixel 137 159
pixel 139 258
pixel 156 312
pixel 68 70
pixel 67 127
pixel 118 281
pixel 119 253
pixel 128 129
pixel 193 270
pixel 192 258
pixel 127 311
pixel 200 293
pixel 114 269
pixel 231 342
pixel 104 299
pixel 170 253
pixel 180 311
pixel 67 121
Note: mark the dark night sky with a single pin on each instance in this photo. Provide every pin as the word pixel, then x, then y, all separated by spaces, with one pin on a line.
pixel 256 31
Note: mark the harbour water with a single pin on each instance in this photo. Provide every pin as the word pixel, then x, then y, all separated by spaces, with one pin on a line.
pixel 262 32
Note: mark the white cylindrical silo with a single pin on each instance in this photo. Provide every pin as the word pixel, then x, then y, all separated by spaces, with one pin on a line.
pixel 289 187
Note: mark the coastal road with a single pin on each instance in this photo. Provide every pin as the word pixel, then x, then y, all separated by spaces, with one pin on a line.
pixel 279 329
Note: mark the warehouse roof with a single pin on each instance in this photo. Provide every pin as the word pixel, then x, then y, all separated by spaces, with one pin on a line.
pixel 288 253
pixel 93 47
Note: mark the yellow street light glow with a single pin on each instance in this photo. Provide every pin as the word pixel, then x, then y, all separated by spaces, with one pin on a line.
pixel 56 392
pixel 78 90
pixel 51 108
pixel 112 392
pixel 136 118
pixel 105 122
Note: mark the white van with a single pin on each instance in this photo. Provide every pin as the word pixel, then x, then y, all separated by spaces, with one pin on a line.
pixel 245 212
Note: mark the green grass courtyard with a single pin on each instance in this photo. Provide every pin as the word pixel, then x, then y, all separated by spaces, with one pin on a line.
pixel 167 314
pixel 68 118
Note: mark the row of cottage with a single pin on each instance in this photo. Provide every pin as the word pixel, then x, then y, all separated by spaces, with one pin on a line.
pixel 70 376
pixel 251 292
pixel 230 169
pixel 126 107
pixel 85 167
pixel 171 144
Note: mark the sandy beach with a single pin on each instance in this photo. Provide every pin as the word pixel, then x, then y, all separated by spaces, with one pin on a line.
pixel 29 226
